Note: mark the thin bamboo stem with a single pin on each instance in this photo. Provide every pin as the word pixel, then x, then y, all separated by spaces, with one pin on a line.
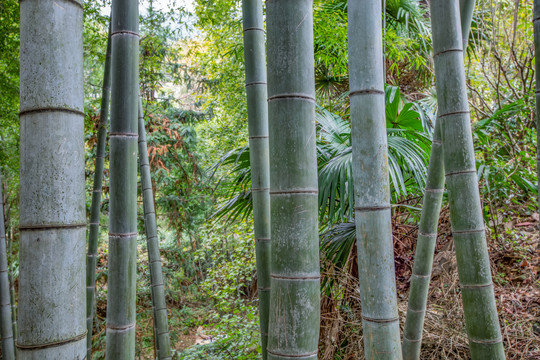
pixel 12 285
pixel 159 304
pixel 121 294
pixel 6 328
pixel 380 319
pixel 93 235
pixel 255 63
pixel 536 25
pixel 468 227
pixel 295 278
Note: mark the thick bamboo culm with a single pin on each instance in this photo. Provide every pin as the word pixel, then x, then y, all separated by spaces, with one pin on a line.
pixel 427 229
pixel 380 319
pixel 255 64
pixel 6 326
pixel 93 234
pixel 121 294
pixel 295 273
pixel 51 322
pixel 481 319
pixel 159 304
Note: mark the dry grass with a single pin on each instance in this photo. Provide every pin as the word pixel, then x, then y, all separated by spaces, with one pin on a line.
pixel 515 266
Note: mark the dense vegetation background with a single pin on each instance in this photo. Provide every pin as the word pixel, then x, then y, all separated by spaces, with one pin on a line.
pixel 192 80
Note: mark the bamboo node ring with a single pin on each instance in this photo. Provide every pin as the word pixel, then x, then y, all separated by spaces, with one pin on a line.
pixel 52 344
pixel 292 356
pixel 447 51
pixel 380 321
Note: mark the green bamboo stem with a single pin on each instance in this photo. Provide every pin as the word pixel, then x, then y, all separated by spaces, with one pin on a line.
pixel 6 329
pixel 466 10
pixel 536 25
pixel 121 294
pixel 380 319
pixel 425 248
pixel 13 304
pixel 52 195
pixel 481 318
pixel 427 229
pixel 93 236
pixel 295 278
pixel 255 63
pixel 154 258
pixel 12 287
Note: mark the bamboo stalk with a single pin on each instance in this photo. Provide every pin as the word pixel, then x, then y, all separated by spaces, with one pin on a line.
pixel 6 328
pixel 93 236
pixel 11 285
pixel 380 319
pixel 295 278
pixel 52 205
pixel 536 25
pixel 427 229
pixel 255 63
pixel 425 248
pixel 154 258
pixel 121 294
pixel 481 318
pixel 466 10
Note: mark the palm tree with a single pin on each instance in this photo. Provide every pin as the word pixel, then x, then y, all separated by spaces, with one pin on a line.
pixel 8 345
pixel 154 258
pixel 481 318
pixel 408 146
pixel 121 294
pixel 52 206
pixel 427 229
pixel 254 53
pixel 372 197
pixel 93 235
pixel 295 279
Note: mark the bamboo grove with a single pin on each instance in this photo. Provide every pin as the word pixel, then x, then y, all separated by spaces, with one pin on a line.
pixel 57 306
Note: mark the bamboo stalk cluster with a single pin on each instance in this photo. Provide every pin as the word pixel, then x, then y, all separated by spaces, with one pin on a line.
pixel 284 179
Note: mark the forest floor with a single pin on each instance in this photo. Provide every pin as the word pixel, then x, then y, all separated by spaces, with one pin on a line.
pixel 515 262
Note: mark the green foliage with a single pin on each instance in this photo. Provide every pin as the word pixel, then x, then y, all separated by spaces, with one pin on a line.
pixel 408 145
pixel 507 167
pixel 9 97
pixel 230 288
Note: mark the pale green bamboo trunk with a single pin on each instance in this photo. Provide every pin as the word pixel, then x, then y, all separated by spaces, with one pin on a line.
pixel 425 248
pixel 121 294
pixel 380 319
pixel 9 242
pixel 12 292
pixel 52 205
pixel 93 236
pixel 536 24
pixel 468 230
pixel 8 345
pixel 255 63
pixel 295 279
pixel 466 10
pixel 154 258
pixel 427 229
